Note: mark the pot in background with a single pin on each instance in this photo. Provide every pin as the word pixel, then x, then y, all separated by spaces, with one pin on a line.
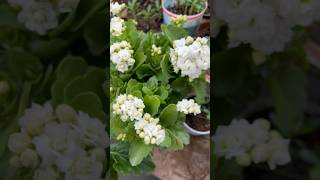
pixel 193 22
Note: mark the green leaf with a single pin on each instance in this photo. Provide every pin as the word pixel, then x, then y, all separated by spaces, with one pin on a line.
pixel 85 10
pixel 95 33
pixel 152 83
pixel 147 91
pixel 50 49
pixel 138 151
pixel 24 66
pixel 288 92
pixel 152 104
pixel 181 85
pixel 92 81
pixel 169 115
pixel 163 93
pixel 144 71
pixel 173 32
pixel 167 140
pixel 90 103
pixel 69 68
pixel 119 153
pixel 140 58
pixel 164 75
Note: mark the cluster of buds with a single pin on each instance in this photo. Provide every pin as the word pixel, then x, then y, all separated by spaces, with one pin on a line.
pixel 155 50
pixel 180 20
pixel 121 137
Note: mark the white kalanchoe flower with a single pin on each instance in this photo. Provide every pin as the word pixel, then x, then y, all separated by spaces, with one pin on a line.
pixel 122 56
pixel 254 22
pixel 85 168
pixel 277 150
pixel 39 17
pixel 149 130
pixel 155 50
pixel 35 118
pixel 190 56
pixel 65 6
pixel 188 107
pixel 92 130
pixel 251 143
pixel 117 26
pixel 116 8
pixel 128 107
pixel 57 144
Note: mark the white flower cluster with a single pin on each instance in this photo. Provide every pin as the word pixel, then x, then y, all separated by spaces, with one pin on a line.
pixel 131 108
pixel 117 26
pixel 155 50
pixel 59 143
pixel 191 56
pixel 149 129
pixel 188 107
pixel 116 8
pixel 41 16
pixel 249 143
pixel 265 24
pixel 121 55
pixel 128 107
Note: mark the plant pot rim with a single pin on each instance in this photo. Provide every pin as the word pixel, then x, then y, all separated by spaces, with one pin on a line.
pixel 194 131
pixel 165 10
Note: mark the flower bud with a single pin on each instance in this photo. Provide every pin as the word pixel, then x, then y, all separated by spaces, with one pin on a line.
pixel 18 142
pixel 243 160
pixel 158 126
pixel 263 123
pixel 141 135
pixel 66 113
pixel 119 137
pixel 153 140
pixel 4 87
pixel 29 158
pixel 147 139
pixel 15 161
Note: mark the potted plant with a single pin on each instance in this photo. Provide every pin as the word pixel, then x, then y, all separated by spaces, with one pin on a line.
pixel 149 90
pixel 186 13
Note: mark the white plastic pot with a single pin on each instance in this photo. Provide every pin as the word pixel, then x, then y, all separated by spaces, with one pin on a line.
pixel 195 132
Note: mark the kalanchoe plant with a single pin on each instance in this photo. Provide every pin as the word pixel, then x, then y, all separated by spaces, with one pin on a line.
pixel 151 75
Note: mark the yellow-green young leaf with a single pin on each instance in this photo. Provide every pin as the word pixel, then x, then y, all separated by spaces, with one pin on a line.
pixel 152 104
pixel 138 151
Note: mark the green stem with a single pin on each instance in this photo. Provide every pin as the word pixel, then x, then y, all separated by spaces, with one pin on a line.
pixel 24 98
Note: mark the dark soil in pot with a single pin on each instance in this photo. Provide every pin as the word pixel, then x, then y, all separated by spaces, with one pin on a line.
pixel 145 23
pixel 199 122
pixel 185 10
